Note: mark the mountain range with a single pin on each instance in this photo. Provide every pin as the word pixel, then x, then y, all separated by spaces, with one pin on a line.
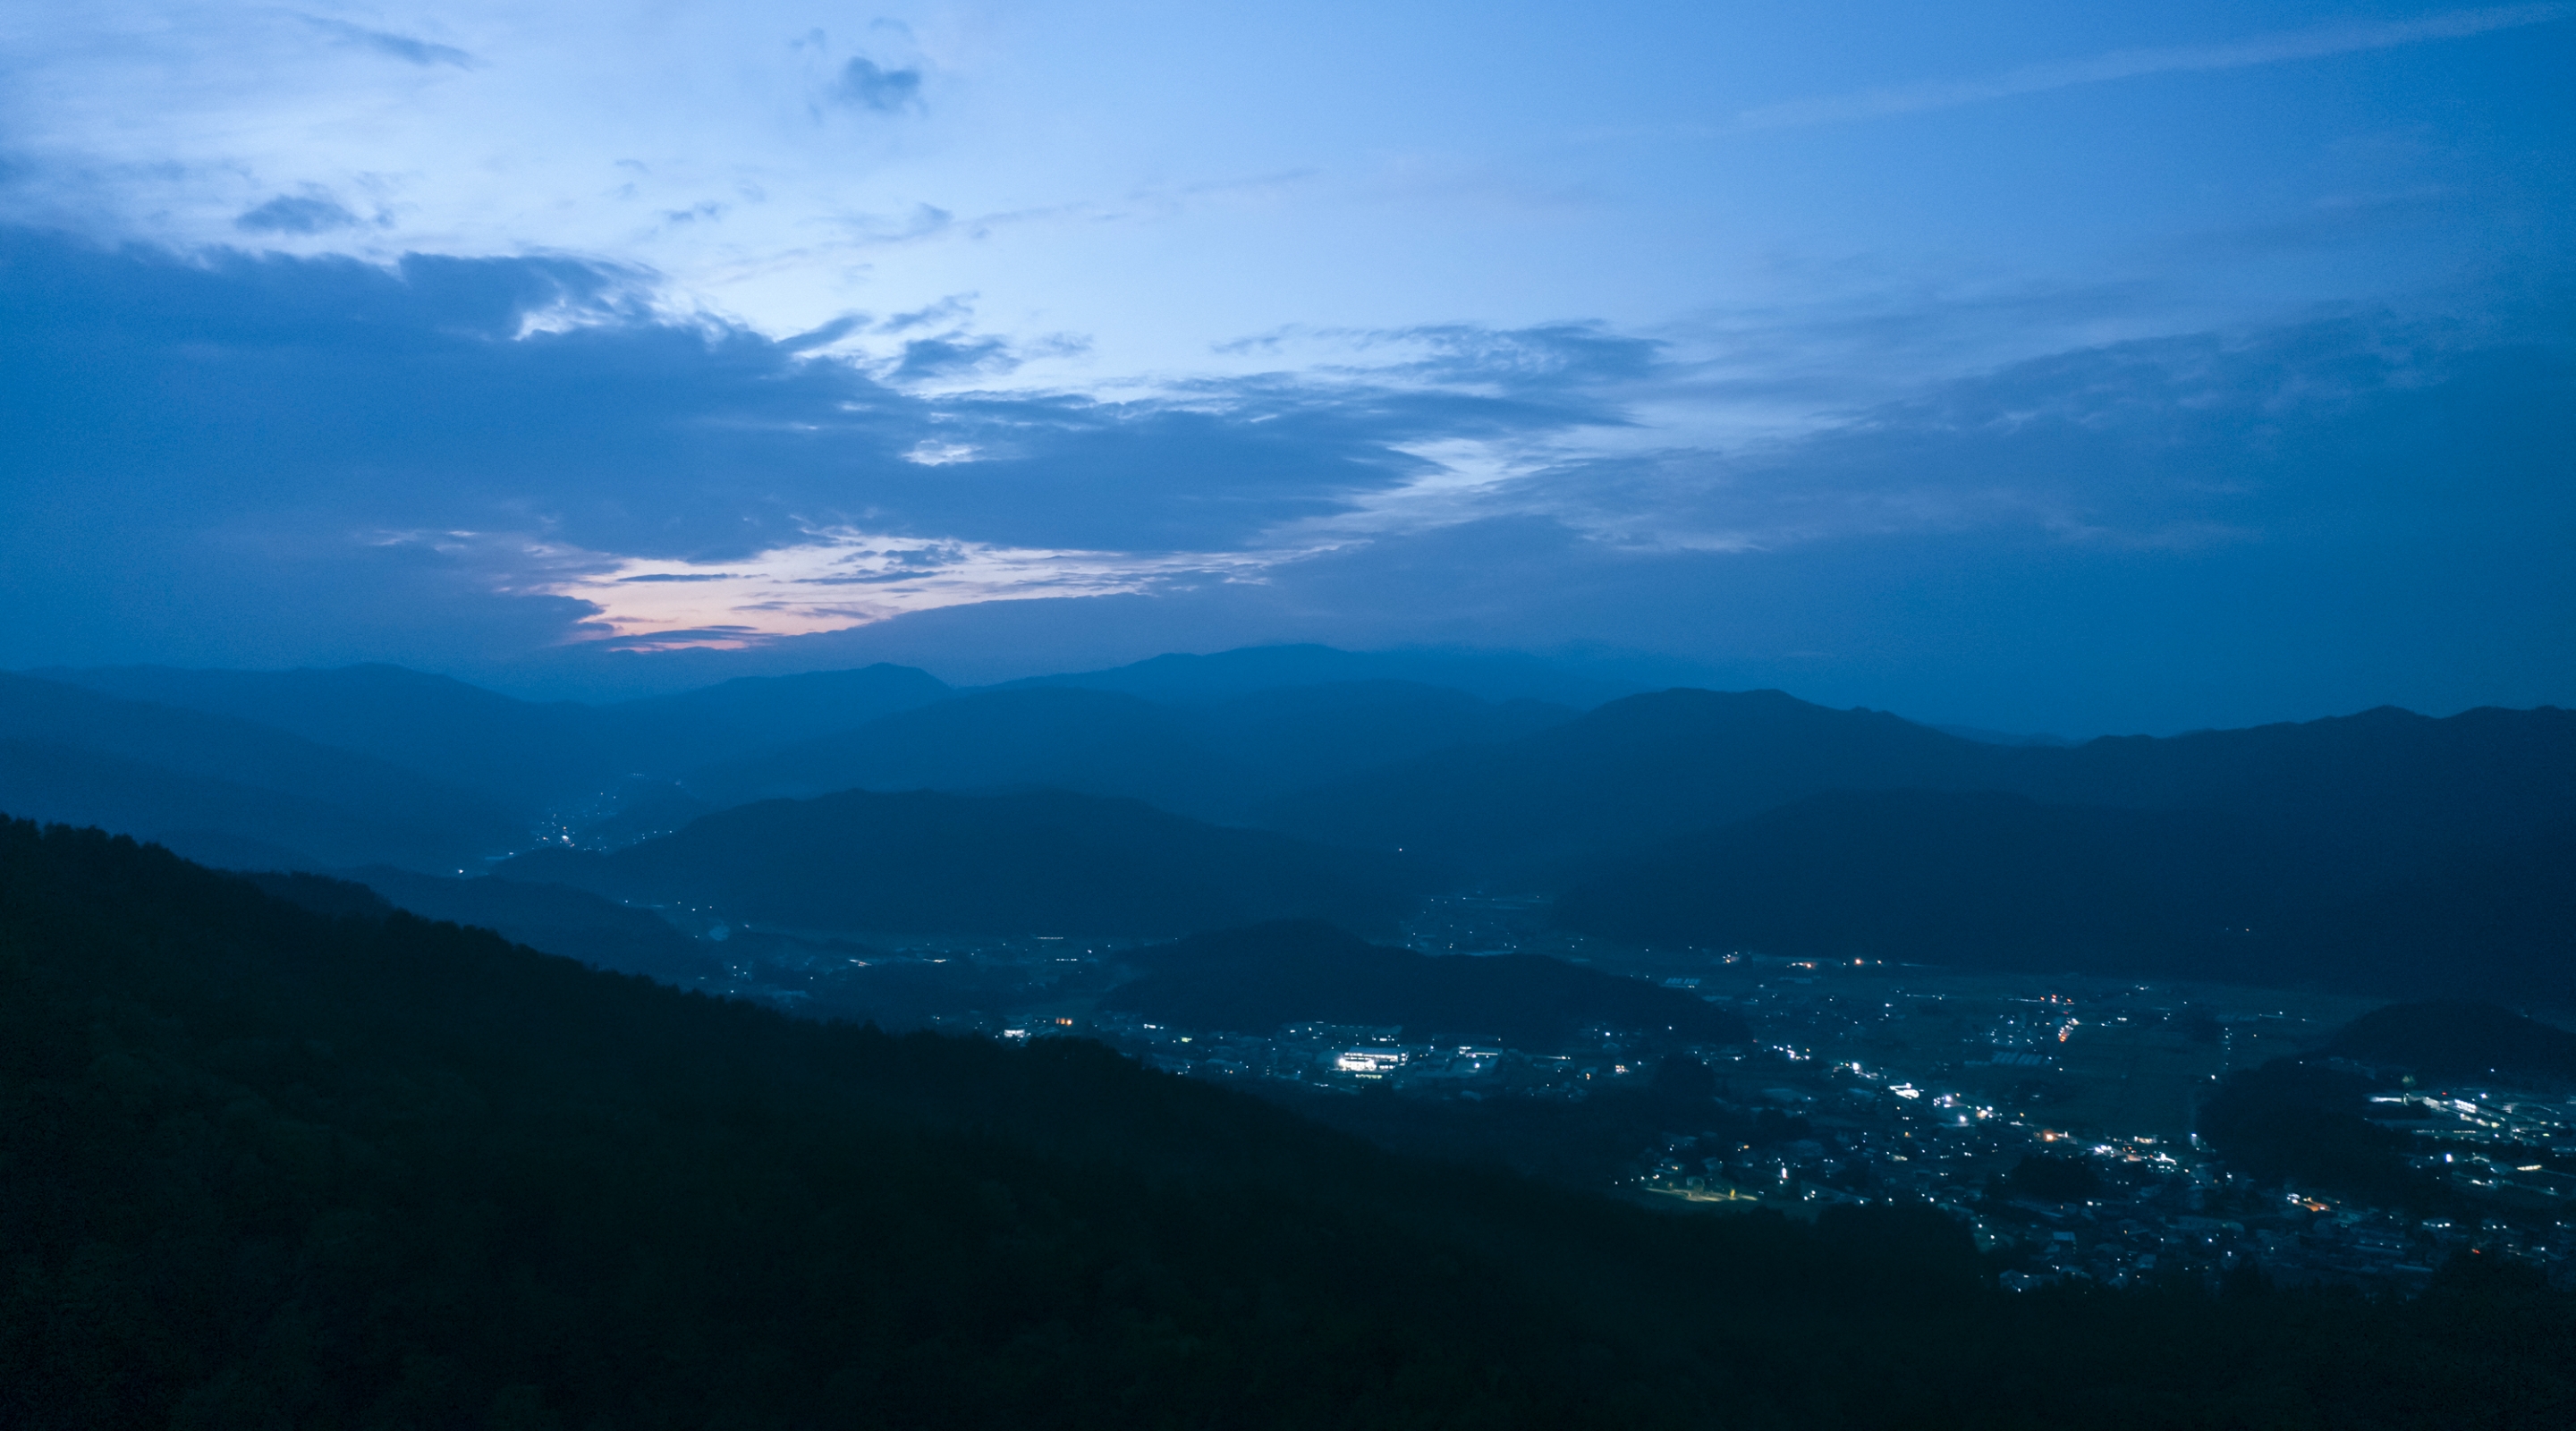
pixel 526 755
pixel 1189 792
pixel 1217 758
pixel 226 785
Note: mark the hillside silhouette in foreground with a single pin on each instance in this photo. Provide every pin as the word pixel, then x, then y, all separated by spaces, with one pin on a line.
pixel 269 1167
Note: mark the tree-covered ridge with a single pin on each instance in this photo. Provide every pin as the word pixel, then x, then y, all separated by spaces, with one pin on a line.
pixel 1026 862
pixel 261 1167
pixel 2454 1038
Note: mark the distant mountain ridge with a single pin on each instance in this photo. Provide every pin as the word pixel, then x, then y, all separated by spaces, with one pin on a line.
pixel 1651 767
pixel 2348 849
pixel 2385 852
pixel 522 752
pixel 1623 774
pixel 79 756
pixel 1089 742
pixel 1039 862
pixel 1213 759
pixel 1487 675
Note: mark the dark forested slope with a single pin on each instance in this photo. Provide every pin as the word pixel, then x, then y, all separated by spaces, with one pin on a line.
pixel 551 917
pixel 267 1168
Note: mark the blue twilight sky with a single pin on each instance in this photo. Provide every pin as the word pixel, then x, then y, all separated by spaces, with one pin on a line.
pixel 2035 366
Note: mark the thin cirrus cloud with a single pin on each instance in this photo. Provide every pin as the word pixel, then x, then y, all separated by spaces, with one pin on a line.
pixel 384 42
pixel 2277 48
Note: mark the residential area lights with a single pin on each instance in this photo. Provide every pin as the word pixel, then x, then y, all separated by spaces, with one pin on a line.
pixel 1863 1083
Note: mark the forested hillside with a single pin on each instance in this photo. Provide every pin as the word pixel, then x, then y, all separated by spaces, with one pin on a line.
pixel 263 1167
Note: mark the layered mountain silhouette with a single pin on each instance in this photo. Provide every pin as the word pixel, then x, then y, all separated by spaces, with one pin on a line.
pixel 1627 773
pixel 1091 742
pixel 525 754
pixel 225 786
pixel 2351 850
pixel 1993 880
pixel 1038 862
pixel 1297 971
pixel 1653 766
pixel 1215 759
pixel 1488 675
pixel 507 750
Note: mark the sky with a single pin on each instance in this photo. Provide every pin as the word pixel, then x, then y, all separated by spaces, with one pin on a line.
pixel 2026 366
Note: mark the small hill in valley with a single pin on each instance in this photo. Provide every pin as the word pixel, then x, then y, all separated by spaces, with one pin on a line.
pixel 1213 759
pixel 1631 772
pixel 1035 862
pixel 1299 971
pixel 1088 742
pixel 1993 880
pixel 2457 1038
pixel 1937 877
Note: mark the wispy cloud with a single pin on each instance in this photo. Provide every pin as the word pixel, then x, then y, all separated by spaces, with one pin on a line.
pixel 385 42
pixel 2269 49
pixel 839 578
